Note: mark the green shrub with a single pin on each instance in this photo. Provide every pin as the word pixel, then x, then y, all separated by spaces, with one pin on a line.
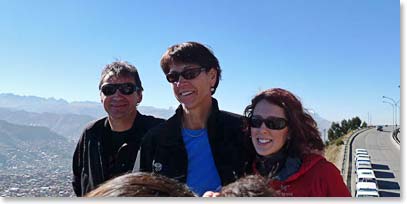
pixel 339 142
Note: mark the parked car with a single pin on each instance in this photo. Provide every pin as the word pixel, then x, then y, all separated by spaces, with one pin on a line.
pixel 360 150
pixel 360 159
pixel 365 172
pixel 365 177
pixel 363 165
pixel 368 193
pixel 366 186
pixel 362 156
pixel 362 188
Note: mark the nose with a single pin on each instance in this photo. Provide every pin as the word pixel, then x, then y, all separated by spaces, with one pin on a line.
pixel 263 128
pixel 180 80
pixel 117 94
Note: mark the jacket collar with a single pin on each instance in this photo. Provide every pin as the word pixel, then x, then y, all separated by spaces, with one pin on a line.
pixel 308 162
pixel 174 124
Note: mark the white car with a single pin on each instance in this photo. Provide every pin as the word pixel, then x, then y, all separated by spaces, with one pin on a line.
pixel 365 172
pixel 360 150
pixel 363 193
pixel 366 156
pixel 365 177
pixel 368 186
pixel 363 165
pixel 362 159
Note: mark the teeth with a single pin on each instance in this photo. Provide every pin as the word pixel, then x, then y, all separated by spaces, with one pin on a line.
pixel 186 93
pixel 263 141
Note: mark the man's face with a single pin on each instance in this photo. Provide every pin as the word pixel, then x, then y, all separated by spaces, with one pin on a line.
pixel 118 105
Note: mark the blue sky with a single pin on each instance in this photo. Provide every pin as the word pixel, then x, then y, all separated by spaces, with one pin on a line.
pixel 338 57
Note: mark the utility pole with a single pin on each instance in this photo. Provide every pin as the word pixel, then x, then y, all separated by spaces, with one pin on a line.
pixel 395 109
pixel 392 105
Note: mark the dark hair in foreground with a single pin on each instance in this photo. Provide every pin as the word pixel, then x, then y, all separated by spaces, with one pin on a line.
pixel 248 186
pixel 121 69
pixel 193 53
pixel 141 184
pixel 303 133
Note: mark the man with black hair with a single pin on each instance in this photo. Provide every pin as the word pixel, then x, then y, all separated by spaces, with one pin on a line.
pixel 109 146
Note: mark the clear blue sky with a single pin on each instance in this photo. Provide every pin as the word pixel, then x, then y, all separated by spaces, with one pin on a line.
pixel 339 57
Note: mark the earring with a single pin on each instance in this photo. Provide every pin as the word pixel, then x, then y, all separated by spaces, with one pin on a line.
pixel 212 89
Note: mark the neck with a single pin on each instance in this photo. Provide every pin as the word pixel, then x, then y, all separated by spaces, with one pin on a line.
pixel 196 118
pixel 122 124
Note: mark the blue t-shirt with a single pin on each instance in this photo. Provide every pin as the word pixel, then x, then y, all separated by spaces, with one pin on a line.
pixel 202 174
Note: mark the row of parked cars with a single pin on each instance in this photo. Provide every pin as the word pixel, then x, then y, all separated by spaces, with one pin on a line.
pixel 366 183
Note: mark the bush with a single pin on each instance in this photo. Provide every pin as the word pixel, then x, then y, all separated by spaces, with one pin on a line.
pixel 339 142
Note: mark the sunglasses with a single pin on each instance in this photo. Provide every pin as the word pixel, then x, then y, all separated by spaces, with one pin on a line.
pixel 186 74
pixel 273 123
pixel 124 88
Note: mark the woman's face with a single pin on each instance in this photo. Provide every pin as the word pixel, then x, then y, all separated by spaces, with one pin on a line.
pixel 192 93
pixel 268 141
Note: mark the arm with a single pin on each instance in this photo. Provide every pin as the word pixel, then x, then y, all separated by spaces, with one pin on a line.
pixel 77 167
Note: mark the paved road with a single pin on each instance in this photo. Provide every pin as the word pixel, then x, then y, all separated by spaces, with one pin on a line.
pixel 385 156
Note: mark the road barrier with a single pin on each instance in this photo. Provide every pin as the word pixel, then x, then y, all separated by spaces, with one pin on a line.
pixel 347 158
pixel 395 135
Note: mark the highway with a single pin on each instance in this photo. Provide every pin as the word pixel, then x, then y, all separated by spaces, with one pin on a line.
pixel 385 158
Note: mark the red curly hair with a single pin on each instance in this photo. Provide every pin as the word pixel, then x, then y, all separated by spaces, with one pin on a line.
pixel 302 128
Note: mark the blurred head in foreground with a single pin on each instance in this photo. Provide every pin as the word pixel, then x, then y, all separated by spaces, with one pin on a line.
pixel 141 184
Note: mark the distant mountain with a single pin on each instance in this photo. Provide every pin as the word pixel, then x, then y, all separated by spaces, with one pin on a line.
pixel 60 116
pixel 323 125
pixel 59 106
pixel 51 105
pixel 67 125
pixel 68 119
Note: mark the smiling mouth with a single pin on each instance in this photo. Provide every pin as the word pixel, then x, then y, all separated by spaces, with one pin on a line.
pixel 119 105
pixel 263 141
pixel 186 93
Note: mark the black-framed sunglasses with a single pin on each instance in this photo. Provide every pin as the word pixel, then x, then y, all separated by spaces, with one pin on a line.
pixel 273 123
pixel 124 88
pixel 186 74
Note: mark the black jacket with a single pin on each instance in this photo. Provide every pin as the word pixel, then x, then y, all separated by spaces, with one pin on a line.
pixel 163 150
pixel 89 160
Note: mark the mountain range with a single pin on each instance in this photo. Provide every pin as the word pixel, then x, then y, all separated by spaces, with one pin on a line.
pixel 69 118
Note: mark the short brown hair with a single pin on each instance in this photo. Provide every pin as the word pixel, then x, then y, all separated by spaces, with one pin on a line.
pixel 194 53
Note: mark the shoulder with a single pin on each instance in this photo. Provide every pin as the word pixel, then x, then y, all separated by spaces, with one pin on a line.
pixel 325 166
pixel 230 117
pixel 331 182
pixel 92 128
pixel 324 170
pixel 150 121
pixel 95 124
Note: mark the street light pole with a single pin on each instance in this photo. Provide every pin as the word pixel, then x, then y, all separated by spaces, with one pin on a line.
pixel 395 104
pixel 393 110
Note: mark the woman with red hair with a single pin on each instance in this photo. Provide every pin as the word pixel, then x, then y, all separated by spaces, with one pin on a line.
pixel 289 149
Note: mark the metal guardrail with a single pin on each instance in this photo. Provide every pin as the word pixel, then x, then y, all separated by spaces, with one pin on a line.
pixel 347 149
pixel 395 135
pixel 347 158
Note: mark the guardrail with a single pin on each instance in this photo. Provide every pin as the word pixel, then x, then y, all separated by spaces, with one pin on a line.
pixel 395 135
pixel 347 158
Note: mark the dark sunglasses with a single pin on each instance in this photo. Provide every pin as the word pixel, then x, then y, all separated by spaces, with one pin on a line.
pixel 124 88
pixel 186 74
pixel 272 123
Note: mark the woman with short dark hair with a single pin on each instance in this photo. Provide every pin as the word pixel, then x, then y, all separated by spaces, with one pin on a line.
pixel 200 145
